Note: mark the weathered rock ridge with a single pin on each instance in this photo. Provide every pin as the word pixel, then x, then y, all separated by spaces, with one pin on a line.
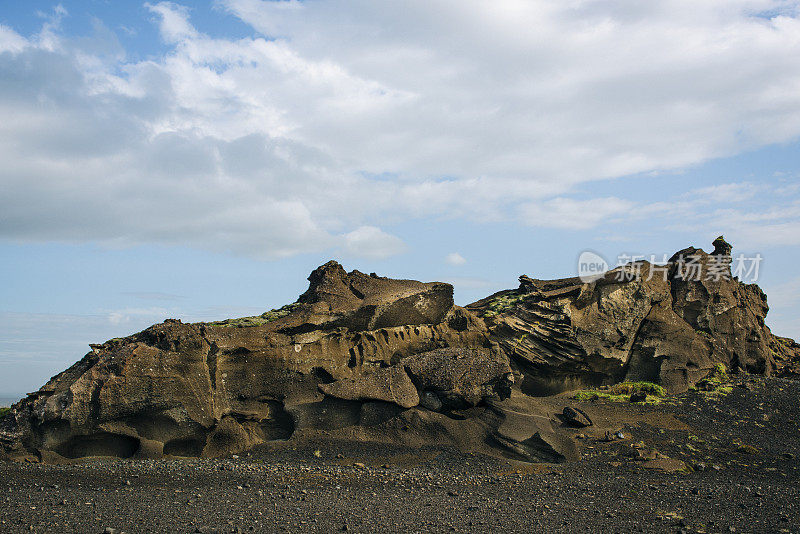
pixel 668 324
pixel 212 388
pixel 366 357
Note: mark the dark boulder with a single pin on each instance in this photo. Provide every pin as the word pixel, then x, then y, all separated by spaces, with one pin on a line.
pixel 576 417
pixel 390 384
pixel 461 376
pixel 451 378
pixel 431 401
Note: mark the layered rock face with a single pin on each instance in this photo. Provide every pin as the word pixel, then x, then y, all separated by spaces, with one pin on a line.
pixel 365 357
pixel 210 388
pixel 668 324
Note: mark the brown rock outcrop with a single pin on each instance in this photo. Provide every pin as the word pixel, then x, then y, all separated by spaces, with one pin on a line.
pixel 449 378
pixel 366 357
pixel 461 377
pixel 390 384
pixel 336 298
pixel 211 388
pixel 663 323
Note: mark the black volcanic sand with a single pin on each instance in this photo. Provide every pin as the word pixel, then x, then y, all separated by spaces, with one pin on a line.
pixel 742 450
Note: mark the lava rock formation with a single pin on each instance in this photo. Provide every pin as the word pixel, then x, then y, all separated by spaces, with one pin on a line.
pixel 370 358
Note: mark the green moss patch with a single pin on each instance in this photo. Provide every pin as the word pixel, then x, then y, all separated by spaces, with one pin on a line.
pixel 717 382
pixel 628 388
pixel 622 392
pixel 502 304
pixel 4 411
pixel 258 320
pixel 593 394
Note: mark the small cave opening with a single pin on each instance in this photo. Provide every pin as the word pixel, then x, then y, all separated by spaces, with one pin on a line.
pixel 189 447
pixel 322 375
pixel 280 424
pixel 100 444
pixel 546 386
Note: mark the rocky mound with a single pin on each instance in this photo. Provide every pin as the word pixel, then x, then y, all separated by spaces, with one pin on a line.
pixel 668 324
pixel 370 358
pixel 214 388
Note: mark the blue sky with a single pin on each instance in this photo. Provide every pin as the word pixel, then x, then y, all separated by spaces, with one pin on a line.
pixel 198 159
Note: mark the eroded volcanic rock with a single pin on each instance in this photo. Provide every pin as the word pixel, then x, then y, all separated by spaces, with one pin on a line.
pixel 390 384
pixel 370 358
pixel 212 388
pixel 461 377
pixel 662 323
pixel 448 378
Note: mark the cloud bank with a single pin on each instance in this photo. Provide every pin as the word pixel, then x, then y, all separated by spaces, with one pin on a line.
pixel 335 118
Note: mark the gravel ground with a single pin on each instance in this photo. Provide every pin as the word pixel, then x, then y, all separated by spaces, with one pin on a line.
pixel 740 453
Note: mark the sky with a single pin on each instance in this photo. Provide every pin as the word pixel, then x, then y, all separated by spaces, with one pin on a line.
pixel 197 160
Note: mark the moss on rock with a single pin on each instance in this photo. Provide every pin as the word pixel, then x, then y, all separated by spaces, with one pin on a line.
pixel 622 392
pixel 258 320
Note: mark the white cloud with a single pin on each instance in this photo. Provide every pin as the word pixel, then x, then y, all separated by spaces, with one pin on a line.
pixel 757 236
pixel 454 258
pixel 575 214
pixel 138 315
pixel 11 41
pixel 725 193
pixel 551 90
pixel 769 219
pixel 175 26
pixel 373 243
pixel 269 146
